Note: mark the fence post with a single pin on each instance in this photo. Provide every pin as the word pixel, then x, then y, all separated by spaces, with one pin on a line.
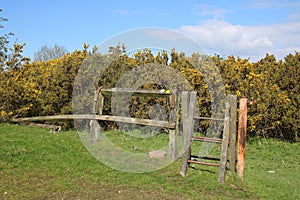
pixel 232 100
pixel 189 101
pixel 94 124
pixel 242 133
pixel 173 132
pixel 224 147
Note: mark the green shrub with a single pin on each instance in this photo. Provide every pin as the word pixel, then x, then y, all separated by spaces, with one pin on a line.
pixel 46 88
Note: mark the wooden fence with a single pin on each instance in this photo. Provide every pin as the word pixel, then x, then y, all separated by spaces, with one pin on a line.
pixel 173 122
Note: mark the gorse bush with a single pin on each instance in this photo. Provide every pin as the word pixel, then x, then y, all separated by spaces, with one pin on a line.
pixel 47 87
pixel 39 88
pixel 272 85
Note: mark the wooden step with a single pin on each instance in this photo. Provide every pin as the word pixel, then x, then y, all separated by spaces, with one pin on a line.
pixel 196 158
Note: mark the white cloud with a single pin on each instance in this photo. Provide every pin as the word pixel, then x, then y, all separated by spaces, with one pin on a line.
pixel 164 34
pixel 246 41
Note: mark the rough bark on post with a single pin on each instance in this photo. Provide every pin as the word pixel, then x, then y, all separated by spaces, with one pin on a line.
pixel 172 132
pixel 224 148
pixel 186 137
pixel 232 100
pixel 242 133
pixel 94 124
pixel 188 108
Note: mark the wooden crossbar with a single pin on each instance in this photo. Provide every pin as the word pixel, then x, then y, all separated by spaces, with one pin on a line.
pixel 148 122
pixel 134 92
pixel 207 139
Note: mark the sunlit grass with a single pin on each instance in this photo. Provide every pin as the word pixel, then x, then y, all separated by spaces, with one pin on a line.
pixel 37 164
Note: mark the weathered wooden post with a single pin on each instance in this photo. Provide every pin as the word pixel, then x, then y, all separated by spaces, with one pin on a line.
pixel 232 100
pixel 224 147
pixel 188 108
pixel 242 133
pixel 173 132
pixel 94 124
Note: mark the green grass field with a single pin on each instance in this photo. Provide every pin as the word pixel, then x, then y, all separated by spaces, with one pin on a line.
pixel 37 164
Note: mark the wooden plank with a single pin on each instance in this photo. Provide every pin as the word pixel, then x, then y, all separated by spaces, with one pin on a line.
pixel 147 122
pixel 137 92
pixel 204 158
pixel 207 139
pixel 224 148
pixel 232 100
pixel 242 133
pixel 188 109
pixel 53 117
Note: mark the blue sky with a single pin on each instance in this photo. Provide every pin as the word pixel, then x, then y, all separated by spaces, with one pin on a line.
pixel 241 28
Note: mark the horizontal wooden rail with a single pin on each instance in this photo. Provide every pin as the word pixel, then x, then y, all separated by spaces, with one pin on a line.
pixel 155 93
pixel 197 158
pixel 207 139
pixel 148 122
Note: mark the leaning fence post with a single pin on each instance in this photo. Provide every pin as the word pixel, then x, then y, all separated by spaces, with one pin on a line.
pixel 242 133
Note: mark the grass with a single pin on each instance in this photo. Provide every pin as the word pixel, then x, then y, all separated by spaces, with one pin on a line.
pixel 37 164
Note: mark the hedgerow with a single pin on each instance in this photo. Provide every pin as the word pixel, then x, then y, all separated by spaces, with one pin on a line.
pixel 272 86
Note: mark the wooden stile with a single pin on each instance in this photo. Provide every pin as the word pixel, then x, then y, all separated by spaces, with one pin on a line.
pixel 171 124
pixel 229 134
pixel 188 101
